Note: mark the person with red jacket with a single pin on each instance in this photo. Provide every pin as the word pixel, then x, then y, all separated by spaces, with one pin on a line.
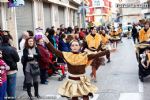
pixel 44 60
pixel 3 77
pixel 82 34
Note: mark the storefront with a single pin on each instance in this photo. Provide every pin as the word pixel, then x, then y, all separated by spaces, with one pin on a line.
pixel 61 12
pixel 47 15
pixel 24 17
pixel 147 15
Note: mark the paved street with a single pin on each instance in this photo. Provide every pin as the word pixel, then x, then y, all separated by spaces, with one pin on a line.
pixel 117 80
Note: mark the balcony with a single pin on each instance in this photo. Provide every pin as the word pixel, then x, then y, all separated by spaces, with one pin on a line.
pixel 145 11
pixel 142 1
pixel 78 2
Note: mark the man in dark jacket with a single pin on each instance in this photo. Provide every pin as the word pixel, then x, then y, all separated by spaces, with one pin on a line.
pixel 11 58
pixel 134 34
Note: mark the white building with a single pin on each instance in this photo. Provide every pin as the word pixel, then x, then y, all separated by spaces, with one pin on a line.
pixel 146 11
pixel 38 13
pixel 114 10
pixel 131 13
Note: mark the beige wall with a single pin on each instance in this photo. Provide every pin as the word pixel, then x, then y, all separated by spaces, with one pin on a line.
pixel 9 21
pixel 12 27
pixel 38 14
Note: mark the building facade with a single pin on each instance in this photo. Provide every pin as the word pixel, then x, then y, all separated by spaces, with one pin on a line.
pixel 130 11
pixel 38 13
pixel 145 11
pixel 99 11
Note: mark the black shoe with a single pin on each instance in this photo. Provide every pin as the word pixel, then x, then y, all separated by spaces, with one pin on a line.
pixel 24 88
pixel 29 91
pixel 45 83
pixel 60 78
pixel 141 79
pixel 64 76
pixel 38 96
pixel 108 61
pixel 36 88
pixel 31 98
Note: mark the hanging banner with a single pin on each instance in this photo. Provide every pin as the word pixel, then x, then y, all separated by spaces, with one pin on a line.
pixel 15 3
pixel 3 0
pixel 20 3
pixel 12 3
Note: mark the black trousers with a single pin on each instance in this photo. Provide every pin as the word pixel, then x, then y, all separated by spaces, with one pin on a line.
pixel 24 82
pixel 43 75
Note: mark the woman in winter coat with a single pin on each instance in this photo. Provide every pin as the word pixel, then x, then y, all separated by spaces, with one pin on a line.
pixel 31 54
pixel 43 60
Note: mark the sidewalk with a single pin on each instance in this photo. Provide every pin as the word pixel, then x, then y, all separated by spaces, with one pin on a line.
pixel 46 91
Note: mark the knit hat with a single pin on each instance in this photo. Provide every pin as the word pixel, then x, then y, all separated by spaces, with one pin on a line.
pixel 38 37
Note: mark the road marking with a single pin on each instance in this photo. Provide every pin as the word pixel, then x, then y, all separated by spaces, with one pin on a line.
pixel 140 84
pixel 95 97
pixel 52 97
pixel 130 96
pixel 141 87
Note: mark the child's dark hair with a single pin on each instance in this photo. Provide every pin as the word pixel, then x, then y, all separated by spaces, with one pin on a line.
pixel 75 40
pixel 30 33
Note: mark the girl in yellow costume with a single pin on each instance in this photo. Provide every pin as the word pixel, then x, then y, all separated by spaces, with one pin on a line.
pixel 105 37
pixel 114 38
pixel 119 31
pixel 77 84
pixel 92 44
pixel 144 33
pixel 105 43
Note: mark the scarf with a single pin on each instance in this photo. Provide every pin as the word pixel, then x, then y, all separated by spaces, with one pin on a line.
pixel 76 58
pixel 32 51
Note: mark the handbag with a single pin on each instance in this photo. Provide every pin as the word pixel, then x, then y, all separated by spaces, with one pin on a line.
pixel 34 68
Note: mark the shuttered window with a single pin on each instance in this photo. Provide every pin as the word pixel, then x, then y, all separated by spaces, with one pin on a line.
pixel 61 15
pixel 24 17
pixel 47 15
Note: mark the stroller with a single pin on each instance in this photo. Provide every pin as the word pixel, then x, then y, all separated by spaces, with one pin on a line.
pixel 56 69
pixel 140 54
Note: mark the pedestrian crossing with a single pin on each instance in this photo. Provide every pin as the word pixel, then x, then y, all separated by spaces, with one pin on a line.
pixel 95 97
pixel 123 96
pixel 56 97
pixel 130 96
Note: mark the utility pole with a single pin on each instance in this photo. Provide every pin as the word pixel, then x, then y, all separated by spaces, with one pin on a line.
pixel 83 14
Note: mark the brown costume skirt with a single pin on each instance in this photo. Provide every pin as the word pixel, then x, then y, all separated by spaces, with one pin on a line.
pixel 97 62
pixel 115 39
pixel 77 87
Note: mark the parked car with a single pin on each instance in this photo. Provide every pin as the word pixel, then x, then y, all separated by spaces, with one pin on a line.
pixel 125 32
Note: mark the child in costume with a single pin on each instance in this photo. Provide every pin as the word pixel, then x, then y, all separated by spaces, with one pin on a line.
pixel 114 38
pixel 93 44
pixel 3 77
pixel 145 61
pixel 105 43
pixel 77 84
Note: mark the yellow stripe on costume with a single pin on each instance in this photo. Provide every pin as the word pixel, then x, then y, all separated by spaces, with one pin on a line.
pixel 144 36
pixel 105 39
pixel 93 41
pixel 76 59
